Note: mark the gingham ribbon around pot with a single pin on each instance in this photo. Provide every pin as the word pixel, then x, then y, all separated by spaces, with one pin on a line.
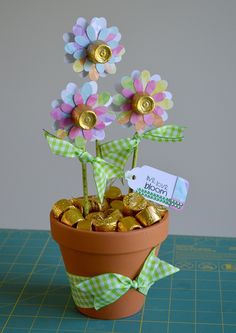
pixel 102 170
pixel 102 290
pixel 118 151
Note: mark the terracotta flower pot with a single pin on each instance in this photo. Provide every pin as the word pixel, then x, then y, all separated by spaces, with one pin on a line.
pixel 88 253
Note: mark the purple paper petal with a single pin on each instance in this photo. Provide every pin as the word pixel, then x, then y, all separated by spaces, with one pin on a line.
pixel 151 85
pixel 92 100
pixel 82 40
pixel 100 125
pixel 135 117
pixel 148 119
pixel 127 93
pixel 68 37
pixel 159 97
pixel 82 22
pixel 78 99
pixel 99 134
pixel 155 77
pixel 88 134
pixel 56 114
pixel 100 110
pixel 65 122
pixel 108 118
pixel 66 107
pixel 135 74
pixel 71 88
pixel 78 30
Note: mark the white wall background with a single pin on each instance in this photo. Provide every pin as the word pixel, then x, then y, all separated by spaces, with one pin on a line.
pixel 190 43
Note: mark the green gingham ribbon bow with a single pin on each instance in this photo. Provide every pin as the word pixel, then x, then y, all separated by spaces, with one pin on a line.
pixel 102 170
pixel 118 151
pixel 101 290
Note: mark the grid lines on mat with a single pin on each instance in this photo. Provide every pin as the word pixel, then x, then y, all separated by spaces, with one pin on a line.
pixel 35 295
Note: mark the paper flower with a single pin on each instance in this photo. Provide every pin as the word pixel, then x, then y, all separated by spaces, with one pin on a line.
pixel 143 101
pixel 82 112
pixel 93 48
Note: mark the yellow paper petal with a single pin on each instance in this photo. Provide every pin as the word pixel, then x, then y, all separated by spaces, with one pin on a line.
pixel 145 77
pixel 61 134
pixel 93 73
pixel 78 65
pixel 161 86
pixel 166 104
pixel 158 122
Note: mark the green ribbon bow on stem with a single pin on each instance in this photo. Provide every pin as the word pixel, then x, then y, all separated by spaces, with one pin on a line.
pixel 102 170
pixel 101 290
pixel 119 151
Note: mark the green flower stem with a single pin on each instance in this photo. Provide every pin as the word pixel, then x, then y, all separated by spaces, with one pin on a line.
pixel 85 188
pixel 98 150
pixel 134 162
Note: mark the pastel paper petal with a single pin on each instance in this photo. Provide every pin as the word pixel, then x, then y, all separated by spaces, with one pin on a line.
pixel 159 97
pixel 110 68
pixel 161 86
pixel 126 107
pixel 68 37
pixel 157 122
pixel 113 44
pixel 82 40
pixel 92 100
pixel 100 22
pixel 91 33
pixel 103 34
pixel 78 65
pixel 127 93
pixel 71 87
pixel 70 47
pixel 100 125
pixel 100 68
pixel 88 134
pixel 66 107
pixel 65 122
pixel 74 132
pixel 117 37
pixel 67 98
pixel 86 90
pixel 78 99
pixel 69 58
pixel 107 118
pixel 78 30
pixel 148 119
pixel 56 103
pixel 166 104
pixel 144 78
pixel 135 117
pixel 124 118
pixel 119 99
pixel 117 50
pixel 81 53
pixel 155 77
pixel 138 85
pixel 168 95
pixel 150 87
pixel 140 126
pixel 110 37
pixel 127 82
pixel 99 134
pixel 104 99
pixel 135 74
pixel 56 114
pixel 82 22
pixel 100 110
pixel 87 65
pixel 93 73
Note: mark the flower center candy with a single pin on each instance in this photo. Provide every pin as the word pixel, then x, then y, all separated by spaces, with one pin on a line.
pixel 84 118
pixel 99 52
pixel 143 104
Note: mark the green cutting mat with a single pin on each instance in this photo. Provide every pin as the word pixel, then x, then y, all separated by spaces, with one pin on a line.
pixel 201 298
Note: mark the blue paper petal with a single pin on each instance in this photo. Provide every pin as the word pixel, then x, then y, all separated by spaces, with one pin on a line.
pixel 82 41
pixel 80 54
pixel 100 68
pixel 113 43
pixel 70 48
pixel 87 65
pixel 87 90
pixel 68 37
pixel 91 33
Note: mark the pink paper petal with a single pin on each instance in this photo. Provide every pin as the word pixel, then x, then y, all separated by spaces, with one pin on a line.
pixel 159 97
pixel 92 100
pixel 150 87
pixel 100 110
pixel 66 107
pixel 127 93
pixel 100 125
pixel 63 123
pixel 148 119
pixel 135 118
pixel 88 134
pixel 74 132
pixel 110 37
pixel 138 85
pixel 56 114
pixel 126 107
pixel 78 99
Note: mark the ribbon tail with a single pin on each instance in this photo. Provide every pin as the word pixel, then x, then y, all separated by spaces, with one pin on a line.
pixel 167 133
pixel 109 297
pixel 61 147
pixel 100 180
pixel 153 270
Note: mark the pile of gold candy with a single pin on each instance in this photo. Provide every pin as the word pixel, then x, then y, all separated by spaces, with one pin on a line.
pixel 117 212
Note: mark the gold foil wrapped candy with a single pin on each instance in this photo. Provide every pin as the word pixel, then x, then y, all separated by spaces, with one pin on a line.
pixel 113 193
pixel 72 216
pixel 84 225
pixel 148 216
pixel 134 201
pixel 107 224
pixel 128 223
pixel 117 204
pixel 60 207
